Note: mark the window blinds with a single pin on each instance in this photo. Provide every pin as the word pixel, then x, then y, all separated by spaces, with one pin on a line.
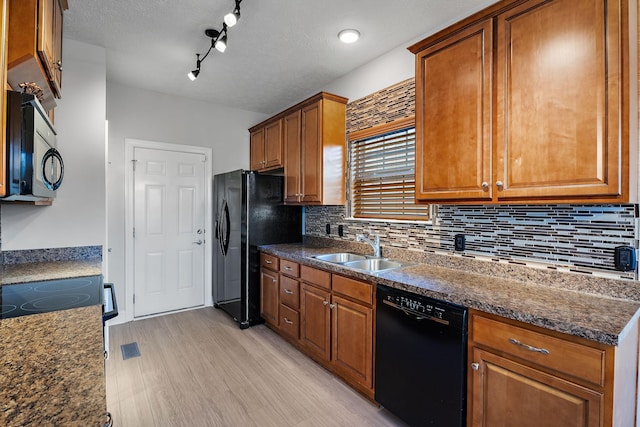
pixel 383 177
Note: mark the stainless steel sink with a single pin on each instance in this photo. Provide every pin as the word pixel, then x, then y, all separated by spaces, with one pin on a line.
pixel 340 258
pixel 373 264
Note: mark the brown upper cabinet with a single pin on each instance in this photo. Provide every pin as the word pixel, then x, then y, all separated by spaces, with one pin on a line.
pixel 266 146
pixel 4 10
pixel 529 102
pixel 315 152
pixel 35 47
pixel 313 136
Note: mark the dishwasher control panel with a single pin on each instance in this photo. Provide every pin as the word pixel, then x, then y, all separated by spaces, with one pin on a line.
pixel 422 306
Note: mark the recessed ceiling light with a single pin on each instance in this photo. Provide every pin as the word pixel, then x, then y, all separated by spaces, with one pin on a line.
pixel 349 36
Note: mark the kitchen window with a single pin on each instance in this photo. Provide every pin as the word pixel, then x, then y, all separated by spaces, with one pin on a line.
pixel 382 173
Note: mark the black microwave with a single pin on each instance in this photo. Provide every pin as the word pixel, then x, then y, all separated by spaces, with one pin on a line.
pixel 34 166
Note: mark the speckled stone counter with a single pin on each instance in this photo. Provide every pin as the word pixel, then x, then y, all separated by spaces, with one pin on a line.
pixel 52 369
pixel 565 305
pixel 37 271
pixel 52 364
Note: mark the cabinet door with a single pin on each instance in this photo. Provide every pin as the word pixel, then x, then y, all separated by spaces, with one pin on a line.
pixel 292 172
pixel 4 9
pixel 506 393
pixel 46 25
pixel 453 117
pixel 311 117
pixel 269 303
pixel 316 321
pixel 273 145
pixel 256 149
pixel 56 80
pixel 352 340
pixel 559 129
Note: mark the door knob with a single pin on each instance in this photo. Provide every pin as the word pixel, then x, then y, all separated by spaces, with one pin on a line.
pixel 199 242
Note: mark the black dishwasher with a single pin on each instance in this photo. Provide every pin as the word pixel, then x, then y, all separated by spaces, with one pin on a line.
pixel 421 353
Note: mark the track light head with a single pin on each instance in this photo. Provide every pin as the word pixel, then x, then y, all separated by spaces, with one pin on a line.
pixel 232 18
pixel 221 42
pixel 193 74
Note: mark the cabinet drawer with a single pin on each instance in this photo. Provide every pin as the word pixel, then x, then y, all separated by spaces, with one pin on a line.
pixel 269 261
pixel 289 268
pixel 356 289
pixel 563 356
pixel 315 277
pixel 290 292
pixel 289 322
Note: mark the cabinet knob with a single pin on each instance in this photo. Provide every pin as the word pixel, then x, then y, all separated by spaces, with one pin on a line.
pixel 332 306
pixel 273 280
pixel 485 186
pixel 475 366
pixel 325 302
pixel 59 65
pixel 499 184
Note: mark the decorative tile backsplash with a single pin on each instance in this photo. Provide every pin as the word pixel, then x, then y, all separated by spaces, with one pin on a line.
pixel 577 238
pixel 565 237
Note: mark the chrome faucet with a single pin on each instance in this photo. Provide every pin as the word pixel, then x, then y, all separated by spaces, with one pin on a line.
pixel 375 244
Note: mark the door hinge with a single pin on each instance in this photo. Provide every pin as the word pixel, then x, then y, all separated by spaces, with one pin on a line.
pixel 134 161
pixel 134 298
pixel 134 232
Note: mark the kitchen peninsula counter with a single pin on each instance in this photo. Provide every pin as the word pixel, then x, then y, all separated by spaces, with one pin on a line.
pixel 38 271
pixel 548 300
pixel 52 364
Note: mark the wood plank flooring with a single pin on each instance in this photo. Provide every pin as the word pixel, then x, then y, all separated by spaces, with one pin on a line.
pixel 197 368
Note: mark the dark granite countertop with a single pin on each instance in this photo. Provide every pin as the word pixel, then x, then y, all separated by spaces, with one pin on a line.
pixel 38 271
pixel 594 316
pixel 52 370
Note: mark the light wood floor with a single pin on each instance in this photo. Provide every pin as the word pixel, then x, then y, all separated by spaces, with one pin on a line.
pixel 197 368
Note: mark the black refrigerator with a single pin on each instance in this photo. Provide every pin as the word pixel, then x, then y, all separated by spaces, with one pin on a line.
pixel 249 212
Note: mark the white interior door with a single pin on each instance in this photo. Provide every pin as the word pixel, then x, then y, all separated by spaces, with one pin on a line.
pixel 169 219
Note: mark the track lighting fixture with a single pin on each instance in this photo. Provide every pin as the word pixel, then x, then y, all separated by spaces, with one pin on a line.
pixel 232 18
pixel 218 38
pixel 194 73
pixel 221 42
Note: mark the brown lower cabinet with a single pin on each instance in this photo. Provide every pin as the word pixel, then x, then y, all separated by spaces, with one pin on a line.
pixel 327 316
pixel 528 376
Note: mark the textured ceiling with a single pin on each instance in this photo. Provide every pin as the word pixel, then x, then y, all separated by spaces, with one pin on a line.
pixel 279 52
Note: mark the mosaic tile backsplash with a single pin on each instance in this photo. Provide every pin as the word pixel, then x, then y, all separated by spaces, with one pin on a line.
pixel 563 237
pixel 577 238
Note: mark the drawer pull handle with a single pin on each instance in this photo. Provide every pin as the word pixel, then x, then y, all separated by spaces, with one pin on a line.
pixel 287 321
pixel 286 267
pixel 288 292
pixel 268 261
pixel 528 347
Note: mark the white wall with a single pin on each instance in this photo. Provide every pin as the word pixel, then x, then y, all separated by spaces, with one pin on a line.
pixel 77 216
pixel 152 116
pixel 387 70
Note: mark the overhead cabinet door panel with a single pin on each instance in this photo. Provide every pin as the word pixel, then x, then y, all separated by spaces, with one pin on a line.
pixel 453 117
pixel 558 99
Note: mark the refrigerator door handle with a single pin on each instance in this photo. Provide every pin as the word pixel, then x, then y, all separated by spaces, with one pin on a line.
pixel 227 229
